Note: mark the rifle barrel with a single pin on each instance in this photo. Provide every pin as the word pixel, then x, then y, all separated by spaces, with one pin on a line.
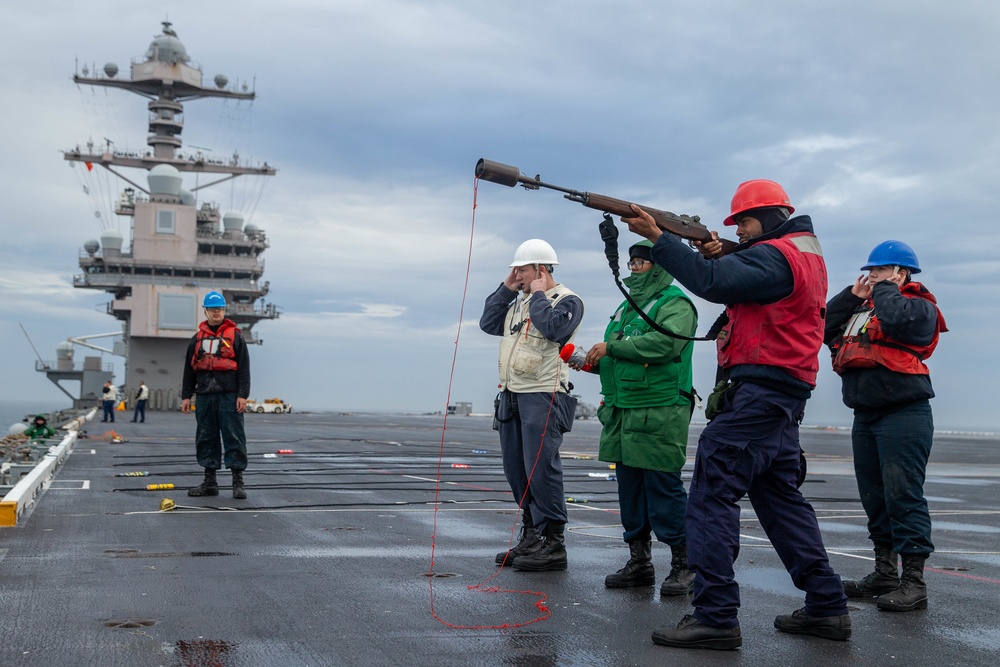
pixel 686 226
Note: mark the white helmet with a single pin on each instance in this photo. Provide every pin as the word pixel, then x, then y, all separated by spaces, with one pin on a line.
pixel 534 251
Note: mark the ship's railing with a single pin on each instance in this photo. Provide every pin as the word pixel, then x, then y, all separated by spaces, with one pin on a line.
pixel 253 237
pixel 127 259
pixel 110 280
pixel 266 310
pixel 145 58
pixel 69 366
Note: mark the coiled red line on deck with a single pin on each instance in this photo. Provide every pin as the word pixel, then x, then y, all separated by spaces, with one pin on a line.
pixel 543 611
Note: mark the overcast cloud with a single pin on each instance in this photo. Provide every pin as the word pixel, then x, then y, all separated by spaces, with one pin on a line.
pixel 880 120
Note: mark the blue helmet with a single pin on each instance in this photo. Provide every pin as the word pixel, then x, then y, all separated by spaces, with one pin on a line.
pixel 214 300
pixel 893 253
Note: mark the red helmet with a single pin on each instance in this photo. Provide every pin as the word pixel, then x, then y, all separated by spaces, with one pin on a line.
pixel 758 193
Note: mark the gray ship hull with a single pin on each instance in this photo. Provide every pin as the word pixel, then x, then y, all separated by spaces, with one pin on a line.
pixel 327 562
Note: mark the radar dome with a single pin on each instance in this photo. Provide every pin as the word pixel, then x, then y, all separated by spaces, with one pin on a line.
pixel 17 429
pixel 232 222
pixel 111 70
pixel 111 239
pixel 91 246
pixel 251 228
pixel 167 48
pixel 187 197
pixel 164 180
pixel 221 80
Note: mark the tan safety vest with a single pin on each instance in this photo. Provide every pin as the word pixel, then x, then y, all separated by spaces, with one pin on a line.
pixel 529 362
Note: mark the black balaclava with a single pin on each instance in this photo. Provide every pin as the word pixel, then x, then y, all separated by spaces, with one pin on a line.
pixel 770 217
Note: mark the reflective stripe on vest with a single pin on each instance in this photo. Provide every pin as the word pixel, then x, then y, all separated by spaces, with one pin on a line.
pixel 529 362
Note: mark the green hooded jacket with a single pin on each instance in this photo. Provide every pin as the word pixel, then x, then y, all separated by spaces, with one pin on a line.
pixel 646 376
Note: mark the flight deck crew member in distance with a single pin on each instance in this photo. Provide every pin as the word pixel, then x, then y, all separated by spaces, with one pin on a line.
pixel 141 398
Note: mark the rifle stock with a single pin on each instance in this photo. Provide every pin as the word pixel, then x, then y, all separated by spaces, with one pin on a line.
pixel 686 226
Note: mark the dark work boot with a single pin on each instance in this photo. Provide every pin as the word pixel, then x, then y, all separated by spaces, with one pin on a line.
pixel 239 492
pixel 210 487
pixel 692 633
pixel 912 591
pixel 885 578
pixel 827 627
pixel 638 571
pixel 527 543
pixel 552 554
pixel 680 580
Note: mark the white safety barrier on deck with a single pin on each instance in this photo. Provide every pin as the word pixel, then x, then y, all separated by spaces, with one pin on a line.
pixel 27 489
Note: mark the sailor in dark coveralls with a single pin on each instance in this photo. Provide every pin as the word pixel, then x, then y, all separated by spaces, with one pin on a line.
pixel 774 287
pixel 217 369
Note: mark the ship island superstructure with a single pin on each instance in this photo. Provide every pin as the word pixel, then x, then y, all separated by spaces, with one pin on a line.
pixel 180 249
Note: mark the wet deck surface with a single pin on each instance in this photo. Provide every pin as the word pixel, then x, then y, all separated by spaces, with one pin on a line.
pixel 326 563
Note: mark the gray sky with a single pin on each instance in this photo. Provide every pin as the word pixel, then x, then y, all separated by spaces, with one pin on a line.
pixel 880 120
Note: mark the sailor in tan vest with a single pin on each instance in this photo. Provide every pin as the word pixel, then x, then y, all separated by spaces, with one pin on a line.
pixel 535 316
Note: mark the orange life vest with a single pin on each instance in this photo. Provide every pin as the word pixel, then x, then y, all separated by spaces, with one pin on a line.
pixel 865 344
pixel 214 350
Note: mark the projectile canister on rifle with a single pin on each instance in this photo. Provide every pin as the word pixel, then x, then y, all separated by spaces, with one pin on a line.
pixel 497 172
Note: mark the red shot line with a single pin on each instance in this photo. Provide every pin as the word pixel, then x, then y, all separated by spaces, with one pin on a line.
pixel 543 610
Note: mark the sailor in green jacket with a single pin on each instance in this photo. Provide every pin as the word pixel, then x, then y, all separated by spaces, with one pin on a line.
pixel 40 429
pixel 646 383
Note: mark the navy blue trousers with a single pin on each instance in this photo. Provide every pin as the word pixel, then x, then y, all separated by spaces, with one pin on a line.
pixel 651 501
pixel 109 411
pixel 219 424
pixel 752 449
pixel 140 410
pixel 523 420
pixel 890 463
